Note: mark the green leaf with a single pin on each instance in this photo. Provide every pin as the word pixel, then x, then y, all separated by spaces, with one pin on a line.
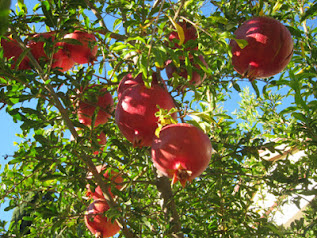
pixel 311 12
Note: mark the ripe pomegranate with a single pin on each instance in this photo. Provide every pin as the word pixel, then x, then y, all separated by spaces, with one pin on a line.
pixel 93 99
pixel 113 176
pixel 128 81
pixel 60 58
pixel 190 33
pixel 97 222
pixel 269 49
pixel 86 49
pixel 182 71
pixel 11 49
pixel 182 152
pixel 135 112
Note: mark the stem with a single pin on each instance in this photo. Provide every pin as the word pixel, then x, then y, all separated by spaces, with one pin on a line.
pixel 169 208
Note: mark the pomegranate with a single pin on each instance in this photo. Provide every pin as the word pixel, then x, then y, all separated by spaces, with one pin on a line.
pixel 269 49
pixel 109 175
pixel 128 81
pixel 60 58
pixel 182 152
pixel 135 112
pixel 86 49
pixel 182 71
pixel 11 49
pixel 190 33
pixel 94 100
pixel 97 222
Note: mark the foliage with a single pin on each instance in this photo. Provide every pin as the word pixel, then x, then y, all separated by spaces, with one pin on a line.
pixel 132 37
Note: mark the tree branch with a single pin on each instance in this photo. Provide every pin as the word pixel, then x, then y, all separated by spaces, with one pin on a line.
pixel 163 185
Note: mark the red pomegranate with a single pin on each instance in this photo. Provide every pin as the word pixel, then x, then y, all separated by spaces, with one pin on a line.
pixel 94 97
pixel 112 176
pixel 182 152
pixel 190 33
pixel 135 112
pixel 60 58
pixel 97 222
pixel 269 49
pixel 182 71
pixel 11 49
pixel 128 81
pixel 86 49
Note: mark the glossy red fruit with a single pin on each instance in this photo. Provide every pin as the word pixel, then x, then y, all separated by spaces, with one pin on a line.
pixel 135 112
pixel 196 78
pixel 97 222
pixel 94 100
pixel 190 33
pixel 113 177
pixel 86 49
pixel 129 81
pixel 11 49
pixel 61 60
pixel 269 49
pixel 182 152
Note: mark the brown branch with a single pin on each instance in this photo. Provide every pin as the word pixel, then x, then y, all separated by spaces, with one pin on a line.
pixel 163 185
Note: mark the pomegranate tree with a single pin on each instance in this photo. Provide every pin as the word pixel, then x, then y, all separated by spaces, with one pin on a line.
pixel 269 48
pixel 84 50
pixel 135 112
pixel 181 152
pixel 94 99
pixel 11 49
pixel 112 176
pixel 97 222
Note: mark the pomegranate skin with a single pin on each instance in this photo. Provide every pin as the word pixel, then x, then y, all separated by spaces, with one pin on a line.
pixel 97 223
pixel 104 105
pixel 60 59
pixel 182 152
pixel 128 81
pixel 135 112
pixel 110 175
pixel 11 49
pixel 269 49
pixel 85 51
